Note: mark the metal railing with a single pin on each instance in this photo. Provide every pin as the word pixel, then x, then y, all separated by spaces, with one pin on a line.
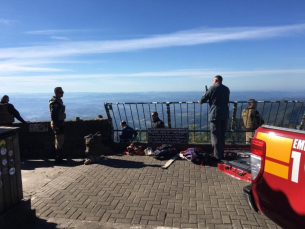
pixel 194 116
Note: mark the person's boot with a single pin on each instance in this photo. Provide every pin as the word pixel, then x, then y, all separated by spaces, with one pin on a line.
pixel 58 158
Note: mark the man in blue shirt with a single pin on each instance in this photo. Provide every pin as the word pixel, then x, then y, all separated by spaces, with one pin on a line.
pixel 128 133
pixel 218 97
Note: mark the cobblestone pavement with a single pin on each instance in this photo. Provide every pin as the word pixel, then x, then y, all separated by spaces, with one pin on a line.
pixel 135 192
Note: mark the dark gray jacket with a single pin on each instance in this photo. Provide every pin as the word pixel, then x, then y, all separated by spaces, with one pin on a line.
pixel 57 111
pixel 11 110
pixel 218 97
pixel 157 124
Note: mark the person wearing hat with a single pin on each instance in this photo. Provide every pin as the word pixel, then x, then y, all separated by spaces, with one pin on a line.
pixel 58 116
pixel 8 112
pixel 218 97
pixel 251 119
pixel 128 133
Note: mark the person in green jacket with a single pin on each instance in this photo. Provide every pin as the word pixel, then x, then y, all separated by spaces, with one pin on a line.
pixel 251 119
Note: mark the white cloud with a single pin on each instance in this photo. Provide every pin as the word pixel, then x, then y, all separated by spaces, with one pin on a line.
pixel 6 21
pixel 50 32
pixel 6 68
pixel 48 61
pixel 59 38
pixel 183 38
pixel 197 73
pixel 38 65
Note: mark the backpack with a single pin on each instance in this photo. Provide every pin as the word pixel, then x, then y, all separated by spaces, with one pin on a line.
pixel 164 151
pixel 187 154
pixel 94 145
pixel 134 149
pixel 201 158
pixel 196 155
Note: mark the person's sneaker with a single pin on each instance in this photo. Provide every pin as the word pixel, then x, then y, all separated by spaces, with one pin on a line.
pixel 88 161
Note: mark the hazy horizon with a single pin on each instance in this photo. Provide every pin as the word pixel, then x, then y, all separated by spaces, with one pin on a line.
pixel 34 106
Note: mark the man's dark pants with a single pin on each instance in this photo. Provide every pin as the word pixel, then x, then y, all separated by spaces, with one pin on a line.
pixel 218 137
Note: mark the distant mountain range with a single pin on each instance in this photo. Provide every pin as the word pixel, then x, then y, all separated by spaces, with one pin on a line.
pixel 34 107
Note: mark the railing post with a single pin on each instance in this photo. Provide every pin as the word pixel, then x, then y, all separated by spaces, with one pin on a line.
pixel 233 120
pixel 302 122
pixel 107 108
pixel 168 115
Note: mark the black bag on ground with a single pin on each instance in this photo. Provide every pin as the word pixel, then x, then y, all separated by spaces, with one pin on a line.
pixel 165 151
pixel 201 158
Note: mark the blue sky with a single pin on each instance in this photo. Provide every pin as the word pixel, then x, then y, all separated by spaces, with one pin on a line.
pixel 151 45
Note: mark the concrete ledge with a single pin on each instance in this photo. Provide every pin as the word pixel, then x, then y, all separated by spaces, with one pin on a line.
pixel 39 144
pixel 17 216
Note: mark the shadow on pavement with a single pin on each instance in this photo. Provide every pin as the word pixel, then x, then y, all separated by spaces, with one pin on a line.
pixel 38 223
pixel 118 163
pixel 31 164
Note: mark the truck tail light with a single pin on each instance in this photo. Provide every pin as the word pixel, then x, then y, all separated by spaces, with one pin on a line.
pixel 258 151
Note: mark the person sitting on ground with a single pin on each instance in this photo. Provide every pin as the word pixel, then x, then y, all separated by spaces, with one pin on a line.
pixel 251 119
pixel 8 112
pixel 156 123
pixel 128 133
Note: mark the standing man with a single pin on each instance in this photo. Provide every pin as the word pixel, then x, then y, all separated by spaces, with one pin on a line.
pixel 156 123
pixel 8 112
pixel 58 115
pixel 128 133
pixel 218 97
pixel 251 119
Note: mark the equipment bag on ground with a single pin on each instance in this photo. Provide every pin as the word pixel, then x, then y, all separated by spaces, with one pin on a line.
pixel 134 149
pixel 165 151
pixel 196 155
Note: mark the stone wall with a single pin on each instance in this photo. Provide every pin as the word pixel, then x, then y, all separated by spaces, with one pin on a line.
pixel 36 139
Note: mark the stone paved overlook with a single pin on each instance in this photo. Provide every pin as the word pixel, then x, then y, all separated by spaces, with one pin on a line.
pixel 130 191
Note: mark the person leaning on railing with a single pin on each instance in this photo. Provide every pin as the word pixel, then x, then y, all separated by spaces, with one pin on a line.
pixel 8 112
pixel 251 119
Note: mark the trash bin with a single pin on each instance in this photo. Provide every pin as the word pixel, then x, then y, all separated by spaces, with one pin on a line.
pixel 10 168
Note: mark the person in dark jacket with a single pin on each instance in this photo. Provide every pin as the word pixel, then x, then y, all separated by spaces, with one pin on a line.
pixel 8 112
pixel 128 133
pixel 156 123
pixel 218 97
pixel 58 116
pixel 251 119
